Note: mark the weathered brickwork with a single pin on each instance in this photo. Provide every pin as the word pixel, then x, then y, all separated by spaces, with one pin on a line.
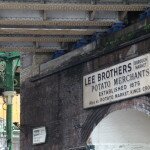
pixel 30 63
pixel 56 102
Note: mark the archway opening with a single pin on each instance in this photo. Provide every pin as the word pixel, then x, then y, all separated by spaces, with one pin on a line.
pixel 122 130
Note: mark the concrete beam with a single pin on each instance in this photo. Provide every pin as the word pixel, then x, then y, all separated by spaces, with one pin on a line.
pixel 37 39
pixel 55 23
pixel 28 49
pixel 72 7
pixel 35 31
pixel 89 52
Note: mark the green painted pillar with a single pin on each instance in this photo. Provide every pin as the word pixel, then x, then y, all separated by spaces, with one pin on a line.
pixel 8 94
pixel 9 75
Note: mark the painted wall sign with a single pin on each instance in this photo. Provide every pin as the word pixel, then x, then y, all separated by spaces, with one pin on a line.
pixel 119 82
pixel 39 135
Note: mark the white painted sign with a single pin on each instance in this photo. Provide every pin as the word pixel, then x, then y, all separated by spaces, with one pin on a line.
pixel 39 135
pixel 119 82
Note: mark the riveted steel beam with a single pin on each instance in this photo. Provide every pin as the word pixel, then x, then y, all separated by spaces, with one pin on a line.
pixel 27 49
pixel 55 23
pixel 32 31
pixel 72 7
pixel 37 39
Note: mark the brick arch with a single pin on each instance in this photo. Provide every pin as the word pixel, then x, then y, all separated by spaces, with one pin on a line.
pixel 94 117
pixel 141 104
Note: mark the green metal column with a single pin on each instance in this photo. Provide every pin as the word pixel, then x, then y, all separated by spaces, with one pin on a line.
pixel 9 87
pixel 9 92
pixel 9 75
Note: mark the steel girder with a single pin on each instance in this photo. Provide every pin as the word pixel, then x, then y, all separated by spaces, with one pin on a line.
pixel 72 7
pixel 36 26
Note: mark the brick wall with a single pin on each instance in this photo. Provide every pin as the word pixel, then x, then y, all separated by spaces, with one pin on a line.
pixel 55 101
pixel 30 63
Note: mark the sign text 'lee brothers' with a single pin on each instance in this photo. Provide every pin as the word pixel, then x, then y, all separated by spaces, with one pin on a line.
pixel 122 81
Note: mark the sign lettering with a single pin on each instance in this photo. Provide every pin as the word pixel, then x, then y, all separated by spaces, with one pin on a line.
pixel 119 82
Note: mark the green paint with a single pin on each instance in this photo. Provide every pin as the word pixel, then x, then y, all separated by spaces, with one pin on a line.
pixel 9 87
pixel 15 130
pixel 16 63
pixel 2 74
pixel 11 63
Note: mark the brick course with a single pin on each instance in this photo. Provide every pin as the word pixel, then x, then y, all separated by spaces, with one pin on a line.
pixel 56 102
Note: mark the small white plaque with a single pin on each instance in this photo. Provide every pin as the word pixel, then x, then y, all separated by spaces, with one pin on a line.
pixel 125 80
pixel 39 135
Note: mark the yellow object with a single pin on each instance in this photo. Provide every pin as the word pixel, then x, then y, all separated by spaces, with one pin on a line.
pixel 16 108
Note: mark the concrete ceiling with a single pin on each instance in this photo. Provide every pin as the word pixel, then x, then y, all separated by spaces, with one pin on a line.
pixel 44 26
